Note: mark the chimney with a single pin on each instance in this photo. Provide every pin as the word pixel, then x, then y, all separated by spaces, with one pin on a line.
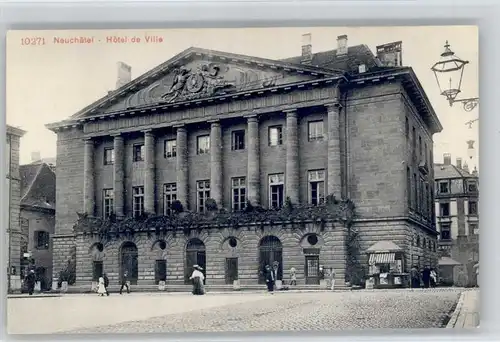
pixel 361 68
pixel 124 74
pixel 390 55
pixel 342 45
pixel 459 163
pixel 306 48
pixel 447 159
pixel 474 172
pixel 36 156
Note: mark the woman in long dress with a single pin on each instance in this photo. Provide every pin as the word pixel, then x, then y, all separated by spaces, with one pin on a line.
pixel 198 278
pixel 101 290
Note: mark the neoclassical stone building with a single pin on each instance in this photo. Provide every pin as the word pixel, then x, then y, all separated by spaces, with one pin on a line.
pixel 259 144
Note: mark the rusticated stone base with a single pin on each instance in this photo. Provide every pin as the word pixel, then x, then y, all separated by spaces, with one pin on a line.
pixel 294 241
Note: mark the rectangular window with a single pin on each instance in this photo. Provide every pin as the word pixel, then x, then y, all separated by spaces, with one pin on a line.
pixel 473 230
pixel 239 190
pixel 315 130
pixel 316 187
pixel 169 195
pixel 276 190
pixel 445 231
pixel 42 239
pixel 407 128
pixel 428 201
pixel 160 271
pixel 275 135
pixel 471 186
pixel 138 152
pixel 444 187
pixel 414 140
pixel 472 208
pixel 97 269
pixel 415 192
pixel 138 200
pixel 170 148
pixel 203 144
pixel 238 140
pixel 425 155
pixel 203 193
pixel 420 151
pixel 107 202
pixel 109 156
pixel 444 209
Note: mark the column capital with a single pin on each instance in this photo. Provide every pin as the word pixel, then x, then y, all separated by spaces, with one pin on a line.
pixel 88 140
pixel 117 135
pixel 291 112
pixel 253 116
pixel 178 126
pixel 214 122
pixel 335 105
pixel 148 132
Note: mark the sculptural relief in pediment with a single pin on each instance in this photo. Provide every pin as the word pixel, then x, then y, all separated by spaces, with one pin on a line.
pixel 202 79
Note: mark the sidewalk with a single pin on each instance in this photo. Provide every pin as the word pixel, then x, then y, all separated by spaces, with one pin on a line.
pixel 466 314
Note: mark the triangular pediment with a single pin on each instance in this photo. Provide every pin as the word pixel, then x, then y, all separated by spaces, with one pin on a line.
pixel 199 74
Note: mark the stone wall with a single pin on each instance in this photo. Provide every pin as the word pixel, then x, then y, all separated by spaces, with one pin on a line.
pixel 331 242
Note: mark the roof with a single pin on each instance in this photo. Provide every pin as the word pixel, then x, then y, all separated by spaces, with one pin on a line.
pixel 447 261
pixel 356 55
pixel 446 171
pixel 38 186
pixel 384 247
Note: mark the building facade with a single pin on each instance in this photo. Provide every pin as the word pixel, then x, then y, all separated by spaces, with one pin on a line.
pixel 226 133
pixel 457 213
pixel 38 190
pixel 13 190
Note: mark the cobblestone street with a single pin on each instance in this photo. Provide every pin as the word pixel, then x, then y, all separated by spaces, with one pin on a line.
pixel 320 311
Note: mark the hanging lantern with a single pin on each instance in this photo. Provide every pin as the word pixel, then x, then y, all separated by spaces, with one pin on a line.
pixel 448 72
pixel 471 151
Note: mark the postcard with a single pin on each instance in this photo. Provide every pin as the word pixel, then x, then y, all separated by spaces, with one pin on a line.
pixel 242 179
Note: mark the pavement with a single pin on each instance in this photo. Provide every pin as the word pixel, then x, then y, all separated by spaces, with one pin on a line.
pixel 221 312
pixel 466 314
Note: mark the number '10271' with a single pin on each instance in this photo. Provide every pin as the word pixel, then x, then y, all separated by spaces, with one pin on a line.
pixel 33 41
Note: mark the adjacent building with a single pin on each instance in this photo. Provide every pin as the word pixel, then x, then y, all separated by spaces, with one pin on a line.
pixel 13 196
pixel 37 215
pixel 264 146
pixel 457 214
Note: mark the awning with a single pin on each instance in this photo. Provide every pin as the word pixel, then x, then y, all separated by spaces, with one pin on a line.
pixel 381 258
pixel 447 261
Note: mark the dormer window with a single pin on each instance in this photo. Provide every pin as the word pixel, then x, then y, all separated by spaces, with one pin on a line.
pixel 471 186
pixel 444 187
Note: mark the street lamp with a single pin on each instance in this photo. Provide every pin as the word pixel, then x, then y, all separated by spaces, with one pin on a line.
pixel 449 72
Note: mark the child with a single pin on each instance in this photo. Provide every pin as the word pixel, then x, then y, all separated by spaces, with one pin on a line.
pixel 102 289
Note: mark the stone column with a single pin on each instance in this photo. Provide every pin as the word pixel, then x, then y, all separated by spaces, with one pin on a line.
pixel 216 163
pixel 182 166
pixel 119 175
pixel 88 178
pixel 292 157
pixel 149 179
pixel 253 164
pixel 334 180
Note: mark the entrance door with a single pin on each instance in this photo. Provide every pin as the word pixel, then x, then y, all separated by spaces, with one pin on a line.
pixel 312 270
pixel 129 262
pixel 270 251
pixel 195 255
pixel 231 270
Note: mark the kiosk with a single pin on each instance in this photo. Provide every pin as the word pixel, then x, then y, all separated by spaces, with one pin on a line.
pixel 386 265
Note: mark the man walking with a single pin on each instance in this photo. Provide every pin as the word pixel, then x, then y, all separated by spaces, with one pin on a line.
pixel 270 279
pixel 124 282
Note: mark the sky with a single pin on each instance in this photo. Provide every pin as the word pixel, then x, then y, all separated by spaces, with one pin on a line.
pixel 48 83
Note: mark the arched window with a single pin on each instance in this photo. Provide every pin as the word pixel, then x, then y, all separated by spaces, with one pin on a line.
pixel 129 262
pixel 195 255
pixel 270 251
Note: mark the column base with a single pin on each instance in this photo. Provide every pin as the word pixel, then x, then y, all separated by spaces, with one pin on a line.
pixel 15 283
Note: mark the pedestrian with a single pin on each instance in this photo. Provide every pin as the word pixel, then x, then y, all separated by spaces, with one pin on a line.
pixel 31 281
pixel 293 276
pixel 124 282
pixel 433 277
pixel 426 276
pixel 106 283
pixel 101 290
pixel 415 277
pixel 332 278
pixel 197 277
pixel 270 279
